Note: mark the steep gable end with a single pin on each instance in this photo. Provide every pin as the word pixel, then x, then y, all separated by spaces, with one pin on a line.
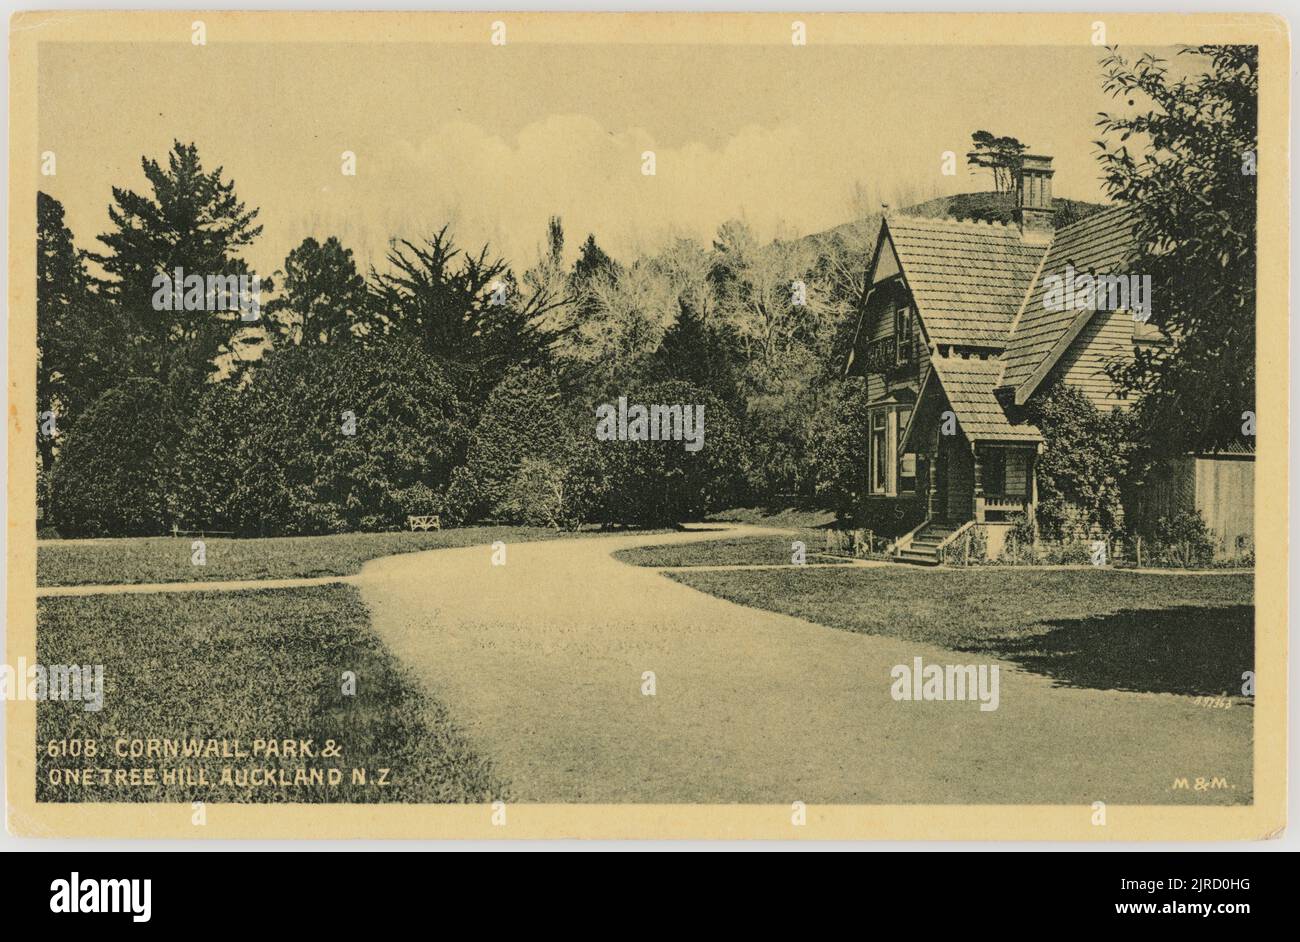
pixel 969 385
pixel 967 279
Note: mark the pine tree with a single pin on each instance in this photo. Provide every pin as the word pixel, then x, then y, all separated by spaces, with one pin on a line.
pixel 190 220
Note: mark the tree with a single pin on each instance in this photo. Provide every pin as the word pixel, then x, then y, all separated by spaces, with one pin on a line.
pixel 547 285
pixel 696 353
pixel 465 310
pixel 215 473
pixel 522 419
pixel 839 448
pixel 658 483
pixel 79 346
pixel 592 262
pixel 327 438
pixel 192 221
pixel 769 296
pixel 999 155
pixel 323 300
pixel 630 309
pixel 113 474
pixel 1192 189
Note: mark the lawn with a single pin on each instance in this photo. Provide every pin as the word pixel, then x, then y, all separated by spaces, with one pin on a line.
pixel 1103 629
pixel 737 551
pixel 799 518
pixel 169 559
pixel 249 666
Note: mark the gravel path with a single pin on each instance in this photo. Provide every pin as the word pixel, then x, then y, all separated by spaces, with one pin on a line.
pixel 542 661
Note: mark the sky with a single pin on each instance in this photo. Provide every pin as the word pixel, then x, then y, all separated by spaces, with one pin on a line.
pixel 494 140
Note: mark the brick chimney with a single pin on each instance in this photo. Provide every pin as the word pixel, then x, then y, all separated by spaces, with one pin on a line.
pixel 1034 198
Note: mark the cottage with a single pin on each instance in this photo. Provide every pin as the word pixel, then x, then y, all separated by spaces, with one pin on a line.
pixel 962 322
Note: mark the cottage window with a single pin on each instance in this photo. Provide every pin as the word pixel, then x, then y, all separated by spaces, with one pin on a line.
pixel 903 333
pixel 1017 474
pixel 879 451
pixel 994 468
pixel 906 461
pixel 892 473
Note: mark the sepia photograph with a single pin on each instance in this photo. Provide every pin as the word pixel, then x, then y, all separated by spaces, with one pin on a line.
pixel 525 425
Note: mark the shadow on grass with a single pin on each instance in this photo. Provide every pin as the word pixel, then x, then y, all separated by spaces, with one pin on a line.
pixel 1186 650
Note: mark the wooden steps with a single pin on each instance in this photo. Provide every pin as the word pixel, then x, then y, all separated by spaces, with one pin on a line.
pixel 924 548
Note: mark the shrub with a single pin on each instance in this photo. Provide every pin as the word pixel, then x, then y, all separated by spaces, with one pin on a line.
pixel 1022 529
pixel 1086 458
pixel 276 456
pixel 541 495
pixel 839 447
pixel 209 461
pixel 1184 540
pixel 658 483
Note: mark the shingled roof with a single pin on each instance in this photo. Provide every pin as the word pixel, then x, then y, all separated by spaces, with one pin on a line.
pixel 1098 244
pixel 969 385
pixel 968 279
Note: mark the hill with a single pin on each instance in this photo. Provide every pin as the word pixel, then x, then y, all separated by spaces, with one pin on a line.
pixel 853 242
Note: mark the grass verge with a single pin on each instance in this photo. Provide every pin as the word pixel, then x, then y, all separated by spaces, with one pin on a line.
pixel 170 559
pixel 737 551
pixel 1084 628
pixel 253 667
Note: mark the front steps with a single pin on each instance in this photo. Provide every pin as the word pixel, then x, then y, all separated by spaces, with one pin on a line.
pixel 924 548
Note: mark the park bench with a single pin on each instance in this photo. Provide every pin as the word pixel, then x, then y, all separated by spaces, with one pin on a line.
pixel 178 532
pixel 425 522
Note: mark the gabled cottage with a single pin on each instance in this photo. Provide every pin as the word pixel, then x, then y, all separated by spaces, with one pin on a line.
pixel 958 329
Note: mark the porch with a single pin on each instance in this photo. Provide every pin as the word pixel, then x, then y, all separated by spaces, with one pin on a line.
pixel 982 482
pixel 983 485
pixel 976 464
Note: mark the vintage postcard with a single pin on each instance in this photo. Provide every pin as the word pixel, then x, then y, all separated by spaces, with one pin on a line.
pixel 647 426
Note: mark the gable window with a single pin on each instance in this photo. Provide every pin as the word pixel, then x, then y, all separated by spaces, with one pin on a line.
pixel 903 341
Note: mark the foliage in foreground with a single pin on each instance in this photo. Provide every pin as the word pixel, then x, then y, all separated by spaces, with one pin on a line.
pixel 1187 166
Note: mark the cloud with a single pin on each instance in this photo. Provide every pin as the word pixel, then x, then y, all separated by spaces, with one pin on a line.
pixel 503 191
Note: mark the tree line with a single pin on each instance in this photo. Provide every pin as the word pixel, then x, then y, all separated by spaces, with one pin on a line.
pixel 441 382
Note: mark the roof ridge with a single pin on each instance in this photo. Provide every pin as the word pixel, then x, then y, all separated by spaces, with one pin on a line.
pixel 1029 291
pixel 954 220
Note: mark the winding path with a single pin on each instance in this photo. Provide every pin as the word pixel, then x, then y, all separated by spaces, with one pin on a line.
pixel 542 660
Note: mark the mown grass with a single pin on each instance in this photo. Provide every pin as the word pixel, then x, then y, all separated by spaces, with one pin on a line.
pixel 1088 628
pixel 737 551
pixel 247 666
pixel 169 559
pixel 803 518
